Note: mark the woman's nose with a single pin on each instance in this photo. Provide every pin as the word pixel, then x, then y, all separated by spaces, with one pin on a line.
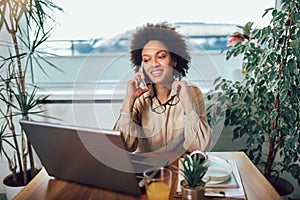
pixel 154 62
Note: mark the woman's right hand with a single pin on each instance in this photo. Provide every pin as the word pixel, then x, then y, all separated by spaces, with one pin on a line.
pixel 133 86
pixel 133 91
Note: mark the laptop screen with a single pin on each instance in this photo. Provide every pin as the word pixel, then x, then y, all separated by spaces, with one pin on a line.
pixel 90 156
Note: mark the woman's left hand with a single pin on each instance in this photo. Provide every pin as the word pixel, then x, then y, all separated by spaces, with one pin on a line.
pixel 182 90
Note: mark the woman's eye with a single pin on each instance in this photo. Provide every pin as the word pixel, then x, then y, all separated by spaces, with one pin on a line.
pixel 162 56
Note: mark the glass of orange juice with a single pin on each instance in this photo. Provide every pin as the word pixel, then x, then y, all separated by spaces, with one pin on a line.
pixel 158 183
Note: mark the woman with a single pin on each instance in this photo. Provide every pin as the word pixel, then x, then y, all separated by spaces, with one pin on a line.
pixel 167 114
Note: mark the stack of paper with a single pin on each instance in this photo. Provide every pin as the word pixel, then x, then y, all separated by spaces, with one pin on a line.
pixel 232 187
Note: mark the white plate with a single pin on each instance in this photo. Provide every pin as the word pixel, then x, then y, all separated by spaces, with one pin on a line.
pixel 218 171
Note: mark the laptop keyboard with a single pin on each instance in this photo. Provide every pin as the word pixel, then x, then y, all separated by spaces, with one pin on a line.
pixel 141 162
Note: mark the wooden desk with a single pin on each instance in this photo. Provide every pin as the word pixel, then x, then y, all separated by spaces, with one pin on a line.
pixel 45 187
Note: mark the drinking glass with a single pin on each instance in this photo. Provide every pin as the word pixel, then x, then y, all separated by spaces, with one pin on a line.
pixel 158 183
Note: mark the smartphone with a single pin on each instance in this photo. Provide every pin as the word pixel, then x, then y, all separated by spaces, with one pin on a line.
pixel 142 83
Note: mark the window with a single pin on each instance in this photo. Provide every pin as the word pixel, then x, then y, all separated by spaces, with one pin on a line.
pixel 92 40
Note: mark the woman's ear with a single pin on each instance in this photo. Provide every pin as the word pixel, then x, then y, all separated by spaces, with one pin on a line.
pixel 174 63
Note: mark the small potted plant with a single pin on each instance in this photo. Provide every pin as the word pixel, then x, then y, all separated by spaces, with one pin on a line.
pixel 194 167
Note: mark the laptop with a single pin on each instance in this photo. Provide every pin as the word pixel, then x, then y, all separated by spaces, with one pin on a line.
pixel 95 157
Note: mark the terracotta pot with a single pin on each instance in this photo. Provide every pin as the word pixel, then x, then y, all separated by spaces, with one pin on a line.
pixel 191 193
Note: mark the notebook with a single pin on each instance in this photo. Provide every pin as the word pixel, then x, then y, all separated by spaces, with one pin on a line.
pixel 96 157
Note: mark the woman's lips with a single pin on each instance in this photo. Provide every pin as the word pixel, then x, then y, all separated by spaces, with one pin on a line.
pixel 156 73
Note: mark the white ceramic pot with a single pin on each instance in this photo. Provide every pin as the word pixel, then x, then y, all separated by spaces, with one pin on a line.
pixel 11 188
pixel 12 191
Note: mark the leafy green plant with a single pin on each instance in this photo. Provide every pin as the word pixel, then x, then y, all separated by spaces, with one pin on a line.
pixel 194 169
pixel 23 22
pixel 264 106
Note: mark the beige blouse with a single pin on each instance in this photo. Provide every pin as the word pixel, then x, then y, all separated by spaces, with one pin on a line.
pixel 172 130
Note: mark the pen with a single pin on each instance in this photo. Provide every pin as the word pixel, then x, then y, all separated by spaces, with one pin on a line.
pixel 209 193
pixel 214 193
